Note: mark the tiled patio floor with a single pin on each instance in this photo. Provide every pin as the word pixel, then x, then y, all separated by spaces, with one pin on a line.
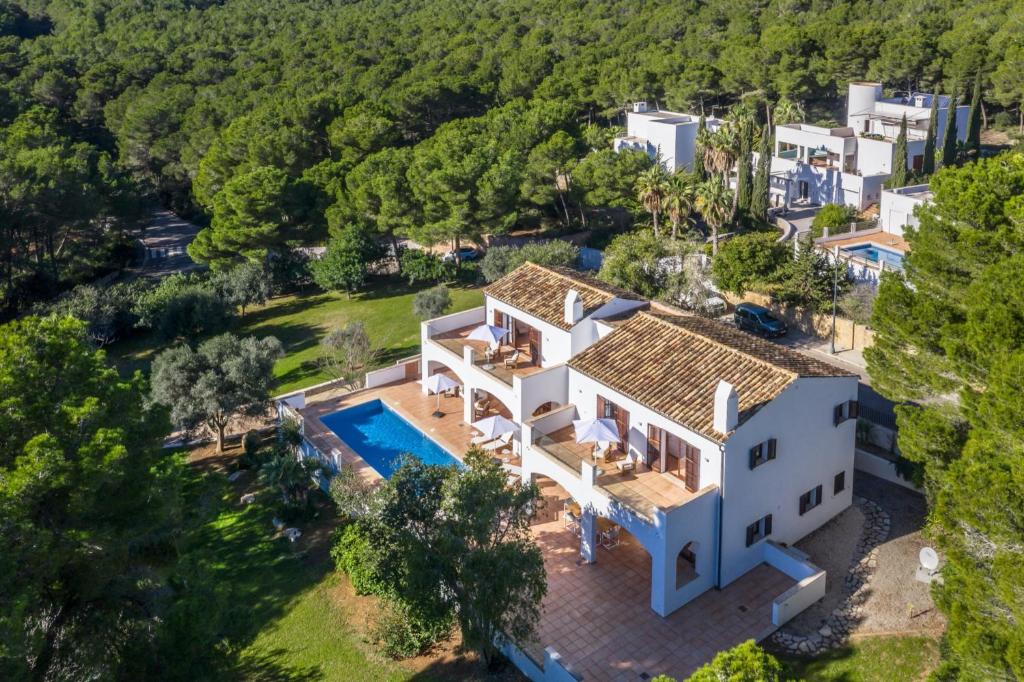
pixel 456 339
pixel 599 618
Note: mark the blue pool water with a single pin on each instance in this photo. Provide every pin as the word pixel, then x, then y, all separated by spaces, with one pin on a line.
pixel 876 254
pixel 380 436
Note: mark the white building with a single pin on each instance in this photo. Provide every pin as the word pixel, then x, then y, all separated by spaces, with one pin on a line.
pixel 849 165
pixel 897 207
pixel 670 135
pixel 729 445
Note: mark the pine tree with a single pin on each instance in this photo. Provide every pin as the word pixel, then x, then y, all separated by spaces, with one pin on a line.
pixel 951 326
pixel 744 172
pixel 973 143
pixel 928 165
pixel 759 196
pixel 899 159
pixel 949 135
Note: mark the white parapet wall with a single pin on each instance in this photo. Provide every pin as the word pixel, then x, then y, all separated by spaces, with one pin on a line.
pixel 401 370
pixel 810 581
pixel 551 669
pixel 881 467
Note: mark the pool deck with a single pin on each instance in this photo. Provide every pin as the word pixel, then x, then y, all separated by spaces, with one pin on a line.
pixel 883 239
pixel 406 398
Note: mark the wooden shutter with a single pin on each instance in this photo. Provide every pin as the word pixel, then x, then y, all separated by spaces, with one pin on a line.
pixel 804 500
pixel 771 448
pixel 692 468
pixel 837 415
pixel 600 407
pixel 853 410
pixel 839 483
pixel 751 532
pixel 817 496
pixel 755 452
pixel 535 347
pixel 499 320
pixel 768 525
pixel 622 422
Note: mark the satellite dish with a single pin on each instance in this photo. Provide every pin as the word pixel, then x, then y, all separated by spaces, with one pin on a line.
pixel 928 558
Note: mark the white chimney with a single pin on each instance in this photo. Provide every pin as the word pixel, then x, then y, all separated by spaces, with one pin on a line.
pixel 639 107
pixel 573 307
pixel 727 410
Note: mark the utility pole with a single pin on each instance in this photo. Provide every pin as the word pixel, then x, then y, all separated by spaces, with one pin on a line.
pixel 835 294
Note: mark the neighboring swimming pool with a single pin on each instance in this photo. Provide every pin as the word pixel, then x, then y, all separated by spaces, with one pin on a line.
pixel 378 435
pixel 876 254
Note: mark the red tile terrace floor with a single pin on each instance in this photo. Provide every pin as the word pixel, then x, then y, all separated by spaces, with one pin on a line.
pixel 599 619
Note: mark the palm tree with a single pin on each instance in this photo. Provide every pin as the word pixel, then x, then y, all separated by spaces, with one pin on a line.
pixel 651 186
pixel 291 474
pixel 714 202
pixel 680 196
pixel 720 150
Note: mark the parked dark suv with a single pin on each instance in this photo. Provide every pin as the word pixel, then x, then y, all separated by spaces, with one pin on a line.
pixel 757 319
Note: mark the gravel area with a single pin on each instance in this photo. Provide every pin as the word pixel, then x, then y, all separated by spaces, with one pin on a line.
pixel 896 601
pixel 832 548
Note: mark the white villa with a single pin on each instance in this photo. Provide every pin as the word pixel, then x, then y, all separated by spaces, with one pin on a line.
pixel 849 165
pixel 668 134
pixel 896 210
pixel 730 448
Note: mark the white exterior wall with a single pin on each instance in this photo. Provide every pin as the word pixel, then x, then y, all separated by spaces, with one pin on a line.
pixel 674 141
pixel 811 451
pixel 589 330
pixel 896 211
pixel 875 156
pixel 556 343
pixel 549 385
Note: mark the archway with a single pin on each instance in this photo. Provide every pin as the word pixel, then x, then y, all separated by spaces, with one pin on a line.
pixel 686 564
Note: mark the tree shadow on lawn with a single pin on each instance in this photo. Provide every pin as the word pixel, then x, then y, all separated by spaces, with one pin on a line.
pixel 271 311
pixel 260 577
pixel 817 668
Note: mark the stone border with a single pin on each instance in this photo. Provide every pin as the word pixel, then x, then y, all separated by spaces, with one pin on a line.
pixel 837 628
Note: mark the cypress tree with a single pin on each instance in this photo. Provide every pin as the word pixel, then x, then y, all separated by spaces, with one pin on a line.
pixel 744 172
pixel 899 159
pixel 698 151
pixel 762 179
pixel 928 165
pixel 949 135
pixel 973 143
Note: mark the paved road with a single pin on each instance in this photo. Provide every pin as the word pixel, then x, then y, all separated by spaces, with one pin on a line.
pixel 165 240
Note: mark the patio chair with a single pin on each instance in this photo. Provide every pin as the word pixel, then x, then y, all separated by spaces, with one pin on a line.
pixel 512 359
pixel 610 538
pixel 480 440
pixel 500 443
pixel 625 464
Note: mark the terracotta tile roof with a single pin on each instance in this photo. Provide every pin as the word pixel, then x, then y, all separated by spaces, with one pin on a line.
pixel 540 291
pixel 673 363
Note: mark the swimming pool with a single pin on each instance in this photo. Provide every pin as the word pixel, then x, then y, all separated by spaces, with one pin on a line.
pixel 876 254
pixel 380 436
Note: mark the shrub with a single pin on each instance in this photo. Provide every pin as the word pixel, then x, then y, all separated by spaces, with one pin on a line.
pixel 431 303
pixel 501 260
pixel 354 556
pixel 402 633
pixel 858 303
pixel 748 261
pixel 832 216
pixel 288 271
pixel 423 266
pixel 182 306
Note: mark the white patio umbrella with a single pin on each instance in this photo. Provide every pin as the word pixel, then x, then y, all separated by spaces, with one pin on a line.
pixel 489 333
pixel 492 427
pixel 595 430
pixel 439 383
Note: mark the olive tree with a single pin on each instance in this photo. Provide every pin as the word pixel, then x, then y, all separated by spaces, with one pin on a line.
pixel 223 377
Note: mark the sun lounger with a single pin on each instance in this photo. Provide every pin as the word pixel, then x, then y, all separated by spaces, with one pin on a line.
pixel 499 444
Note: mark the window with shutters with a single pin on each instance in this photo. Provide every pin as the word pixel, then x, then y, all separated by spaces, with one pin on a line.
pixel 762 452
pixel 759 529
pixel 810 499
pixel 839 483
pixel 843 411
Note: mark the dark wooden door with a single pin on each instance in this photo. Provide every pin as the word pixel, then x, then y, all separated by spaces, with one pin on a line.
pixel 535 346
pixel 622 423
pixel 654 447
pixel 692 478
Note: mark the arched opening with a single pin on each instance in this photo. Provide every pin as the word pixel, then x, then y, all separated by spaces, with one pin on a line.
pixel 553 501
pixel 486 404
pixel 686 564
pixel 545 408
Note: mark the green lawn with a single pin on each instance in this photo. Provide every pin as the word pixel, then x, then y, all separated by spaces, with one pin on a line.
pixel 281 623
pixel 300 321
pixel 870 659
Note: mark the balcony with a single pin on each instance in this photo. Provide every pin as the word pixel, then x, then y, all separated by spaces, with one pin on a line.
pixel 455 341
pixel 643 490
